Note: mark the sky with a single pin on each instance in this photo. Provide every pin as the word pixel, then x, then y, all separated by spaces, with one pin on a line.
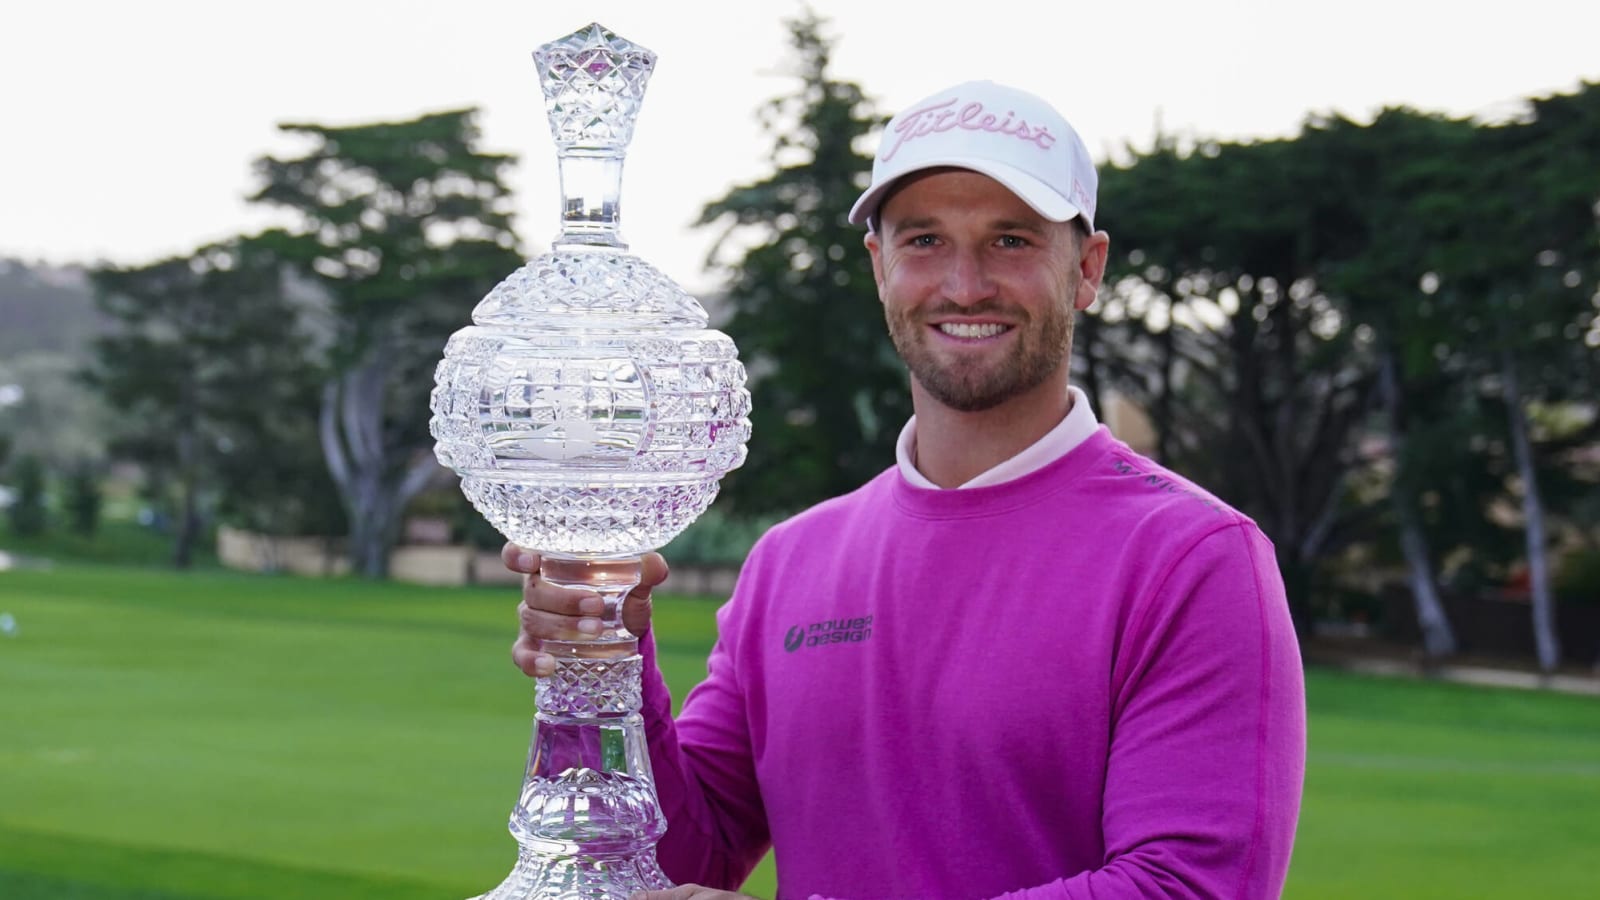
pixel 130 128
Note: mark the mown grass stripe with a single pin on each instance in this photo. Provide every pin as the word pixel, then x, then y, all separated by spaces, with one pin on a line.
pixel 39 866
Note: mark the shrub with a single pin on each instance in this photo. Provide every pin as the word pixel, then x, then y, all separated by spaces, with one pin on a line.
pixel 1578 576
pixel 27 512
pixel 83 499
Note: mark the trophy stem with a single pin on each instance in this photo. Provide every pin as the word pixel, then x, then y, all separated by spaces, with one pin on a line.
pixel 587 820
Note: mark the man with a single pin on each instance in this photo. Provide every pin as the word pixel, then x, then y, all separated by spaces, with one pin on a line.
pixel 1024 660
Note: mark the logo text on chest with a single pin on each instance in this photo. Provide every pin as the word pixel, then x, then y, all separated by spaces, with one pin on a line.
pixel 828 631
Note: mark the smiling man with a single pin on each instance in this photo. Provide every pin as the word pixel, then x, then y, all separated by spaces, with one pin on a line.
pixel 980 291
pixel 1024 661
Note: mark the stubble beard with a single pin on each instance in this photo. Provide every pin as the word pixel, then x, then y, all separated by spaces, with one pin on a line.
pixel 970 385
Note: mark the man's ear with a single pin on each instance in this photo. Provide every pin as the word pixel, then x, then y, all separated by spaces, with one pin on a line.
pixel 874 246
pixel 1092 256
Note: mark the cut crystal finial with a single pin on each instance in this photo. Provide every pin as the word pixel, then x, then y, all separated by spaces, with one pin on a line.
pixel 593 85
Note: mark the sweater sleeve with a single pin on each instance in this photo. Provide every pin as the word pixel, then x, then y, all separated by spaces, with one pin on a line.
pixel 704 774
pixel 1207 749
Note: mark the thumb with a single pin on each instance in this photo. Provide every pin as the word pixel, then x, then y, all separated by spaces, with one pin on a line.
pixel 636 606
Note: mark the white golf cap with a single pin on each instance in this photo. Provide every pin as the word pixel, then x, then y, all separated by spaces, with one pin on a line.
pixel 1009 135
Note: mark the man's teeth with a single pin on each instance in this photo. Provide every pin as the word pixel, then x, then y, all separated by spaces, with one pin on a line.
pixel 967 330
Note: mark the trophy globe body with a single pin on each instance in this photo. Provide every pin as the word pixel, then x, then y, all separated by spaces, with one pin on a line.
pixel 591 414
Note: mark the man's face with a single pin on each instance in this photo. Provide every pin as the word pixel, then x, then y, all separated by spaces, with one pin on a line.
pixel 979 290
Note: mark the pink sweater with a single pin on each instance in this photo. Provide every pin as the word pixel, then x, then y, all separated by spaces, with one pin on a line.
pixel 1080 683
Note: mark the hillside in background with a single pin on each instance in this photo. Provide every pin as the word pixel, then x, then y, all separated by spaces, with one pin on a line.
pixel 45 309
pixel 47 323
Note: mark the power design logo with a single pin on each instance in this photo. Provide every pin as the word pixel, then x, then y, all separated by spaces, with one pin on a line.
pixel 828 631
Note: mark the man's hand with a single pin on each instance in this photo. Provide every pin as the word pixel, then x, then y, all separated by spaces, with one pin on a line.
pixel 689 892
pixel 554 613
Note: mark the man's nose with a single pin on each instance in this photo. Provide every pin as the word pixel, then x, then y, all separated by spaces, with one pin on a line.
pixel 967 280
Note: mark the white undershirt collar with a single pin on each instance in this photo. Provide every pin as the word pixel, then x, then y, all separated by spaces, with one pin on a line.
pixel 1076 428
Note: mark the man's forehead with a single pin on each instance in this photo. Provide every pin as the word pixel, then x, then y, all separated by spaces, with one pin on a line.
pixel 948 191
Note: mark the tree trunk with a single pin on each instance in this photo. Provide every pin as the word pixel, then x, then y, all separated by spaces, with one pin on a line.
pixel 188 525
pixel 373 486
pixel 188 511
pixel 1438 638
pixel 1544 615
pixel 375 533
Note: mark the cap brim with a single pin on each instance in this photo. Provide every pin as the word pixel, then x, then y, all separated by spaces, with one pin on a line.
pixel 1044 200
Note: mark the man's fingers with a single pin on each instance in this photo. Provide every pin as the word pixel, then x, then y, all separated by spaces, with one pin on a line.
pixel 518 559
pixel 541 624
pixel 525 653
pixel 540 594
pixel 550 613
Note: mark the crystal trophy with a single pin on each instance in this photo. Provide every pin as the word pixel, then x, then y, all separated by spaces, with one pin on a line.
pixel 591 414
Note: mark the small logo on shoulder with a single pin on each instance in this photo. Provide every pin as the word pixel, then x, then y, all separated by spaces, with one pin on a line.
pixel 1165 484
pixel 828 631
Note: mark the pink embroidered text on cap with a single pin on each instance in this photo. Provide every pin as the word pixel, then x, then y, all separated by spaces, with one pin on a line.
pixel 973 116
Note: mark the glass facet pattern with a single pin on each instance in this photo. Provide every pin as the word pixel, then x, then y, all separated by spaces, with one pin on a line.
pixel 593 85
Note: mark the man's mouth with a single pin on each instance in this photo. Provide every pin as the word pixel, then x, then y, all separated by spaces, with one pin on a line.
pixel 972 330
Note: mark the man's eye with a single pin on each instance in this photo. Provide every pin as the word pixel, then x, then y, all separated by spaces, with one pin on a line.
pixel 922 240
pixel 1012 240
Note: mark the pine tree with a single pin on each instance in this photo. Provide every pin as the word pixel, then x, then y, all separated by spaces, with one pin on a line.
pixel 829 393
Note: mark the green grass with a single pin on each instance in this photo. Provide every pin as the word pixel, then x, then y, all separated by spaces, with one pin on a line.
pixel 218 735
pixel 1421 789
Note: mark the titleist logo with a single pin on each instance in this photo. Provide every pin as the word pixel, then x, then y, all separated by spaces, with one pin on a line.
pixel 941 117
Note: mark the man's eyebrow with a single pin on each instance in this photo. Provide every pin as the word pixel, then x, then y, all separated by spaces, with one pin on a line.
pixel 916 223
pixel 1028 225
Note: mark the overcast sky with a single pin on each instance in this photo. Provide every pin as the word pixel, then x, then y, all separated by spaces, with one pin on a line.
pixel 129 128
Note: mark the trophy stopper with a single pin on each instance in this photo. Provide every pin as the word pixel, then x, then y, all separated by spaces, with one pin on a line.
pixel 593 83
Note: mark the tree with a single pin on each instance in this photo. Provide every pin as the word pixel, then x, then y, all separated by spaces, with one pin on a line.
pixel 1214 320
pixel 27 511
pixel 154 367
pixel 1465 259
pixel 82 499
pixel 1368 332
pixel 828 391
pixel 1382 180
pixel 204 349
pixel 1525 262
pixel 403 227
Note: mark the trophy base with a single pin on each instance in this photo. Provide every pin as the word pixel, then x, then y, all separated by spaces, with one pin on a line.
pixel 539 877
